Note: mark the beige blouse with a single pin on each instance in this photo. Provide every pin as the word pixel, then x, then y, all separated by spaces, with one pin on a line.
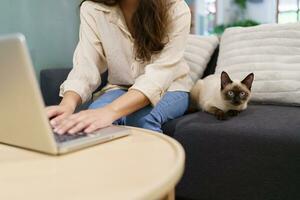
pixel 105 43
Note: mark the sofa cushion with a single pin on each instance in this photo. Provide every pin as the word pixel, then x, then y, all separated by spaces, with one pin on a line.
pixel 272 52
pixel 198 53
pixel 257 119
pixel 252 156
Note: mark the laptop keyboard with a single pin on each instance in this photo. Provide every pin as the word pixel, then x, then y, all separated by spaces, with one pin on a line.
pixel 67 137
pixel 106 133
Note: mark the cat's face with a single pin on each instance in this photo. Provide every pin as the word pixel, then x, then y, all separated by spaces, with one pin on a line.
pixel 236 93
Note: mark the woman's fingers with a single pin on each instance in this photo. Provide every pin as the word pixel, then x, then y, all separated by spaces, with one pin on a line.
pixel 80 126
pixel 58 113
pixel 57 120
pixel 91 128
pixel 69 123
pixel 89 121
pixel 66 125
pixel 94 127
pixel 53 111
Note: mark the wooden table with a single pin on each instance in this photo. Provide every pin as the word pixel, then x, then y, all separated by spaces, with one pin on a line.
pixel 144 165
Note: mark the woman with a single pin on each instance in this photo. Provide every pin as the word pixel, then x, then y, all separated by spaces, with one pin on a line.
pixel 141 44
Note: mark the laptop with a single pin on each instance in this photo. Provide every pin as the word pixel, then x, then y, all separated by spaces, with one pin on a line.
pixel 23 120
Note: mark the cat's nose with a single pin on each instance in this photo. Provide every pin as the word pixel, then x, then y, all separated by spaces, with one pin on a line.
pixel 236 103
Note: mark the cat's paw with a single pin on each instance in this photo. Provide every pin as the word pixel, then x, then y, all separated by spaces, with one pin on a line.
pixel 221 115
pixel 233 113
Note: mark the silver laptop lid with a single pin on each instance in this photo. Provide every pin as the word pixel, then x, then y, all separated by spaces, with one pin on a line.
pixel 23 120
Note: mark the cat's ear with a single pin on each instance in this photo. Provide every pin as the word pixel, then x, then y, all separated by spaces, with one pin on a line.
pixel 248 81
pixel 225 80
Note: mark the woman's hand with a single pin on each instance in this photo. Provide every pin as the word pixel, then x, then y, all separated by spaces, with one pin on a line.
pixel 91 120
pixel 58 113
pixel 66 108
pixel 87 121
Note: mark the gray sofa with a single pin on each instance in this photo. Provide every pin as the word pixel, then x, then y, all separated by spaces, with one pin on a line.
pixel 255 156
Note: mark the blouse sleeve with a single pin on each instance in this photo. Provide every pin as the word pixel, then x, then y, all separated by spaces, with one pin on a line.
pixel 159 75
pixel 88 60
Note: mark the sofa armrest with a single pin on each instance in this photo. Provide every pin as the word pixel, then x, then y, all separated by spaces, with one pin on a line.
pixel 50 81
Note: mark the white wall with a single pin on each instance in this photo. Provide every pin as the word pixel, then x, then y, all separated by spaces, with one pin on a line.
pixel 199 20
pixel 262 12
pixel 224 14
pixel 224 11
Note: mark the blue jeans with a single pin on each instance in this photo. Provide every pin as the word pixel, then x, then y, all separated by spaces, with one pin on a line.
pixel 171 106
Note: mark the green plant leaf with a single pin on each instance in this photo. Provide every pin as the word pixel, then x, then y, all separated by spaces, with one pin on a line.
pixel 241 3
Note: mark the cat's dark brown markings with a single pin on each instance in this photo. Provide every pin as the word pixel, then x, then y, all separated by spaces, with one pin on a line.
pixel 222 96
pixel 235 94
pixel 220 114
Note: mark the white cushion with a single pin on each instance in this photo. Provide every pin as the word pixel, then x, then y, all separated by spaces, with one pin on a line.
pixel 198 52
pixel 272 53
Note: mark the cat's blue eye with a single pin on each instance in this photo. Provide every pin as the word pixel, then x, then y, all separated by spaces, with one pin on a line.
pixel 230 93
pixel 242 94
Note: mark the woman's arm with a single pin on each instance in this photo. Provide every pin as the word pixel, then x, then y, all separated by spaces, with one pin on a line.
pixel 128 103
pixel 89 60
pixel 71 99
pixel 92 120
pixel 88 63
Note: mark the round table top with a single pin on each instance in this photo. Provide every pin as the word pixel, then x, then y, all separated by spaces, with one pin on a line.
pixel 144 165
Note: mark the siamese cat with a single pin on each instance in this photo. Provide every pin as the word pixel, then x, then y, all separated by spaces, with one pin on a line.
pixel 222 96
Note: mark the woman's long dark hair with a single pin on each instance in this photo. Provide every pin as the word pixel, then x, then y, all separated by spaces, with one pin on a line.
pixel 150 24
